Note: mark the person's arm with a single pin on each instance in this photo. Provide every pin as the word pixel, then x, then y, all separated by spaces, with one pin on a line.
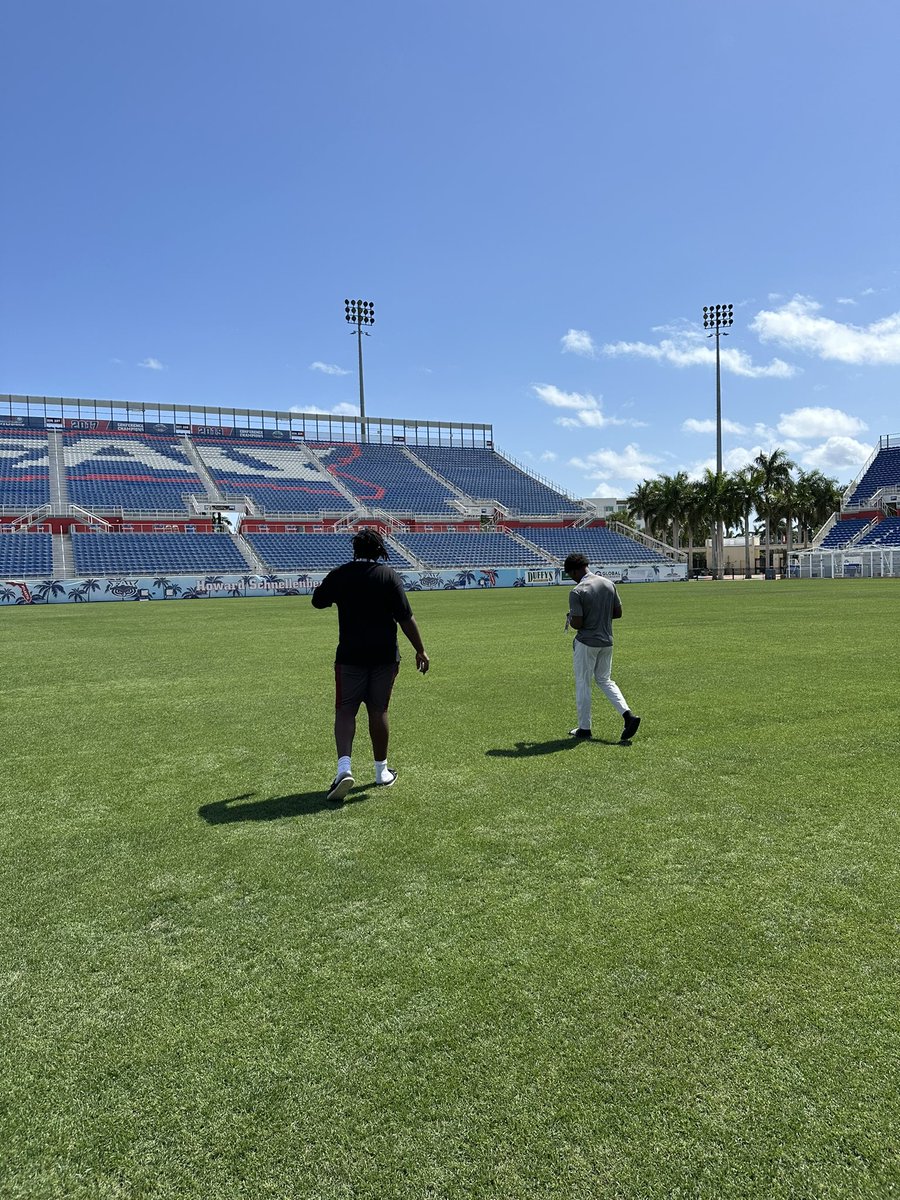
pixel 576 615
pixel 617 606
pixel 321 597
pixel 411 630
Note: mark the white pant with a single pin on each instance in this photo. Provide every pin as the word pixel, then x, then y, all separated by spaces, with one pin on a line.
pixel 592 665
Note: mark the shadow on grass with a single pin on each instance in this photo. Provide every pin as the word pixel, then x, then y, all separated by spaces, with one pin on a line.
pixel 244 808
pixel 529 749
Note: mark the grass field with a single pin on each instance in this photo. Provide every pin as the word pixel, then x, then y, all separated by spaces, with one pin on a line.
pixel 533 968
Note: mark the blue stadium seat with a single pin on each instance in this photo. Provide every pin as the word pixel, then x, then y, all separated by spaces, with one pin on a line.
pixel 277 476
pixel 24 470
pixel 384 477
pixel 149 553
pixel 484 476
pixel 308 551
pixel 23 555
pixel 883 471
pixel 843 532
pixel 886 533
pixel 598 544
pixel 437 550
pixel 132 472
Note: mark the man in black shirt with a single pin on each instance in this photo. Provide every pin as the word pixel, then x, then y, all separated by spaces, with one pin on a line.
pixel 371 603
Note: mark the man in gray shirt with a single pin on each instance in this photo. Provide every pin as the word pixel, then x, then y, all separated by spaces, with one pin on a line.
pixel 593 606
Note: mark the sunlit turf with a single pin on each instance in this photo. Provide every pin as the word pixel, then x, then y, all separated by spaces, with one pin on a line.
pixel 533 968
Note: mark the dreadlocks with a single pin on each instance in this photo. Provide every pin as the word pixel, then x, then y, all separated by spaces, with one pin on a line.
pixel 368 543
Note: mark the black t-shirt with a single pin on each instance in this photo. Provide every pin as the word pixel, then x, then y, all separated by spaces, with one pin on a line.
pixel 370 601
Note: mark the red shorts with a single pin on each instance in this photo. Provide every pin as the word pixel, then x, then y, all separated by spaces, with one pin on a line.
pixel 371 686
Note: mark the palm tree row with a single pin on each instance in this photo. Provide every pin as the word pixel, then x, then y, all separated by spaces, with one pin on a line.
pixel 770 490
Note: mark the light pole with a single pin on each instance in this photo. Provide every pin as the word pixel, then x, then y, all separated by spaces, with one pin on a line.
pixel 718 318
pixel 359 313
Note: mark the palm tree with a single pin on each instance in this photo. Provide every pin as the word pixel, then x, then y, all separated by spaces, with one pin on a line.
pixel 720 502
pixel 785 505
pixel 643 503
pixel 49 587
pixel 817 498
pixel 746 483
pixel 671 495
pixel 775 470
pixel 90 585
pixel 696 518
pixel 464 578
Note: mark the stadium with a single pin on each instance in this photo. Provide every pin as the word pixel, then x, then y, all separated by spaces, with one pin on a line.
pixel 117 502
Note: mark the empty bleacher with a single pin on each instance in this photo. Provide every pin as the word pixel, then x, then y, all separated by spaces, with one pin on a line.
pixel 24 470
pixel 278 477
pixel 842 533
pixel 599 545
pixel 308 551
pixel 24 555
pixel 886 533
pixel 147 553
pixel 438 550
pixel 484 475
pixel 128 472
pixel 883 471
pixel 385 477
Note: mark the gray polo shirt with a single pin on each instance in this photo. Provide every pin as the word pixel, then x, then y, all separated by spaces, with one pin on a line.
pixel 594 600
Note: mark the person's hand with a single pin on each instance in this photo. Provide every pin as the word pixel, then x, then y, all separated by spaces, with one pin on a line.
pixel 422 661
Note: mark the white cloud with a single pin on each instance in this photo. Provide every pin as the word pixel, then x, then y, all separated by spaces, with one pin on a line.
pixel 689 349
pixel 587 408
pixel 842 455
pixel 151 364
pixel 800 326
pixel 846 300
pixel 732 460
pixel 548 456
pixel 692 425
pixel 614 468
pixel 559 399
pixel 340 410
pixel 579 341
pixel 819 423
pixel 328 368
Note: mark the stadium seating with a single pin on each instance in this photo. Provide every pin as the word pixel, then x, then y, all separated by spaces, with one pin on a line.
pixel 385 477
pixel 308 551
pixel 599 545
pixel 131 472
pixel 484 475
pixel 146 553
pixel 883 471
pixel 25 554
pixel 277 476
pixel 438 550
pixel 24 470
pixel 885 533
pixel 843 532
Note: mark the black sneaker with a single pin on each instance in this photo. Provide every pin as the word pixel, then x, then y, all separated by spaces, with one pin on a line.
pixel 389 781
pixel 340 787
pixel 579 733
pixel 631 727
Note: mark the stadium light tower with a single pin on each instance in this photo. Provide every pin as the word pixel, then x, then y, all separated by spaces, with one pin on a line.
pixel 718 318
pixel 359 313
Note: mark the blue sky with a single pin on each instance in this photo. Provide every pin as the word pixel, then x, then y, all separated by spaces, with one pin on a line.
pixel 539 198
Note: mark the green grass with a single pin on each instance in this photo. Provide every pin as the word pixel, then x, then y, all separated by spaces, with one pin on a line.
pixel 533 968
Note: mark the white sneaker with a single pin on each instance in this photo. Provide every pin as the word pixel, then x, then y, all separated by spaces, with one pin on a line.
pixel 389 780
pixel 341 786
